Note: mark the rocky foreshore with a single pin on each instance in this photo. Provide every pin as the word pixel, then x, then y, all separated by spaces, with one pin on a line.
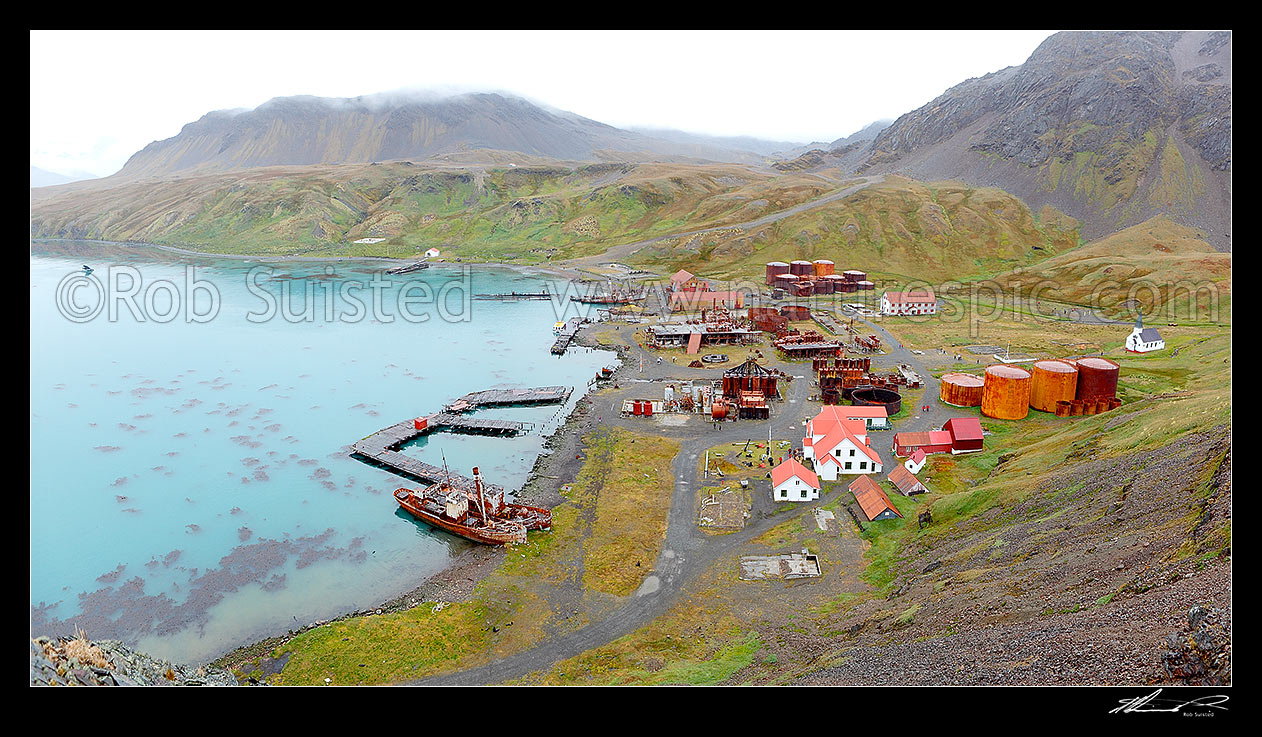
pixel 81 662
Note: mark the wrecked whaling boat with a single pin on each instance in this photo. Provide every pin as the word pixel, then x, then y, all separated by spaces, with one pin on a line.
pixel 480 515
pixel 419 265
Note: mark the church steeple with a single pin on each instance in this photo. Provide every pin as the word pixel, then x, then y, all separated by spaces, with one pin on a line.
pixel 1139 321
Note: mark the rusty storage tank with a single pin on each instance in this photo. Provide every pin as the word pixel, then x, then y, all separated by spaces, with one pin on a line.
pixel 718 410
pixel 774 269
pixel 1052 381
pixel 823 285
pixel 1097 379
pixel 877 396
pixel 786 281
pixel 854 275
pixel 1006 393
pixel 866 285
pixel 802 268
pixel 824 267
pixel 961 390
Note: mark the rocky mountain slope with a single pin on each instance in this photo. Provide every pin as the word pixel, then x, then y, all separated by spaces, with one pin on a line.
pixel 1111 128
pixel 301 131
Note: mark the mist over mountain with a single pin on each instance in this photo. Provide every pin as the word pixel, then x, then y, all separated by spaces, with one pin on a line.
pixel 868 133
pixel 44 178
pixel 300 131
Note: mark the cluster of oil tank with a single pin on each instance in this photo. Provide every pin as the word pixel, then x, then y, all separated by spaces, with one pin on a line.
pixel 1086 386
pixel 816 277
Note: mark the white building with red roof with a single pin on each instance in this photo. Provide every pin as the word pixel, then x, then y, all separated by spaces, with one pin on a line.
pixel 838 445
pixel 915 302
pixel 793 482
pixel 916 461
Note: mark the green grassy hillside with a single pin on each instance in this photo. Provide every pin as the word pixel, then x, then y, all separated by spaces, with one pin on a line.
pixel 901 229
pixel 519 214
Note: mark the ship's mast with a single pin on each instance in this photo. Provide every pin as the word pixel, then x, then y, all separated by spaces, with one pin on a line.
pixel 477 482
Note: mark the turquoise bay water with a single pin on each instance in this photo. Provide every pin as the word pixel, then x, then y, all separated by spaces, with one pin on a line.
pixel 190 484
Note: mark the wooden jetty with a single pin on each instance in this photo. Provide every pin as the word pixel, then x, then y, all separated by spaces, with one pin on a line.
pixel 382 447
pixel 515 295
pixel 566 336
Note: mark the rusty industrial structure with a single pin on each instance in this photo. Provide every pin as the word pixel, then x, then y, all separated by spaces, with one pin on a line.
pixel 961 390
pixel 1006 392
pixel 809 344
pixel 807 278
pixel 1052 381
pixel 878 396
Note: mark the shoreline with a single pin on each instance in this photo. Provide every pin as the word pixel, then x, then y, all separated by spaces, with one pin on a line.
pixel 560 271
pixel 558 462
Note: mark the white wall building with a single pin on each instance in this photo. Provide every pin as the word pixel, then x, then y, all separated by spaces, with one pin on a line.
pixel 793 482
pixel 839 447
pixel 1142 339
pixel 917 302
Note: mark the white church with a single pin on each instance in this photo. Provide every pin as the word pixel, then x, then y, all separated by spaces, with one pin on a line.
pixel 1142 339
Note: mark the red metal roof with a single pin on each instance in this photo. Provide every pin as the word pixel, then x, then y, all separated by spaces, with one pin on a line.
pixel 917 439
pixel 680 277
pixel 964 428
pixel 840 412
pixel 918 456
pixel 837 432
pixel 871 497
pixel 905 480
pixel 791 468
pixel 916 295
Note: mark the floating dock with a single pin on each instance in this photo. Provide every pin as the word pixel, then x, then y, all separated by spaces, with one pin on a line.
pixel 381 449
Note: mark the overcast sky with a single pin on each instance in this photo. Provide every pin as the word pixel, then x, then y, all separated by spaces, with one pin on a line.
pixel 97 97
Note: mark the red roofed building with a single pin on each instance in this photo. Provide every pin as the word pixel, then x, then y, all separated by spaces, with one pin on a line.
pixel 915 302
pixel 966 434
pixel 871 415
pixel 839 446
pixel 689 300
pixel 906 482
pixel 916 461
pixel 793 482
pixel 873 500
pixel 685 281
pixel 935 441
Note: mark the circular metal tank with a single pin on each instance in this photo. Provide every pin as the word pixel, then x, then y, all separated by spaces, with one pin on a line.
pixel 1097 379
pixel 786 281
pixel 854 275
pixel 802 268
pixel 1006 393
pixel 961 390
pixel 774 269
pixel 877 396
pixel 1052 381
pixel 823 285
pixel 824 267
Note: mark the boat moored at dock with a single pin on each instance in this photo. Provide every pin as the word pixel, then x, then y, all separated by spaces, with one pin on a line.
pixel 481 515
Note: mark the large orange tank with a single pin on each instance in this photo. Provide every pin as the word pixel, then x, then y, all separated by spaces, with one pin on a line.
pixel 824 267
pixel 961 390
pixel 1052 381
pixel 1006 393
pixel 1097 379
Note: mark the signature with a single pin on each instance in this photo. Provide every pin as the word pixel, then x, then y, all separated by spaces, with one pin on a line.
pixel 1151 703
